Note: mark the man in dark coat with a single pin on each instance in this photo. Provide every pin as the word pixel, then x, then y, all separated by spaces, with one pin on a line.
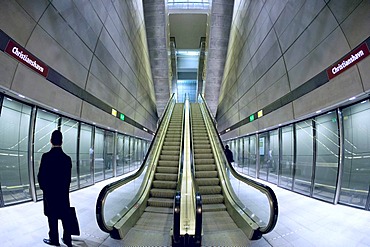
pixel 54 179
pixel 229 154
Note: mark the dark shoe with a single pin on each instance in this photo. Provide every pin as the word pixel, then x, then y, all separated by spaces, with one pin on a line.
pixel 49 242
pixel 69 244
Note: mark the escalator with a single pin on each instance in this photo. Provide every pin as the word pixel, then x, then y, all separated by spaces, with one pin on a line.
pixel 214 205
pixel 216 219
pixel 236 209
pixel 139 209
pixel 206 174
pixel 165 178
pixel 156 221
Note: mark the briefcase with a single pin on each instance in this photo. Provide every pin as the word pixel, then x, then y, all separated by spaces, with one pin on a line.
pixel 74 227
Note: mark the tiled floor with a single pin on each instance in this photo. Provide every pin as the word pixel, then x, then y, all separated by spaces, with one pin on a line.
pixel 302 222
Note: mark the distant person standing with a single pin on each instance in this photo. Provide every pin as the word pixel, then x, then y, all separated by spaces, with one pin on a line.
pixel 229 154
pixel 54 179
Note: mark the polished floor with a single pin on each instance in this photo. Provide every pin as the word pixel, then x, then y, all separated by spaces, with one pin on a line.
pixel 302 222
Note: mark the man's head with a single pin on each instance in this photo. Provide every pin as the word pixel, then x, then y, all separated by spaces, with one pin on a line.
pixel 56 138
pixel 227 146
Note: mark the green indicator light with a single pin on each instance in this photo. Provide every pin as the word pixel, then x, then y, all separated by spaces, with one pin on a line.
pixel 122 117
pixel 251 118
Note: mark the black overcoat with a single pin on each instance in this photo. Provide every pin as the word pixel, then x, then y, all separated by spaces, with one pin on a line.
pixel 54 180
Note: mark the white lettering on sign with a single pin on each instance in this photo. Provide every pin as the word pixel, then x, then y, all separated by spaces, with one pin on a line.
pixel 25 58
pixel 345 63
pixel 348 61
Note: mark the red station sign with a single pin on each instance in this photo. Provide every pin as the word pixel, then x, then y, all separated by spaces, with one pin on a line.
pixel 348 61
pixel 23 56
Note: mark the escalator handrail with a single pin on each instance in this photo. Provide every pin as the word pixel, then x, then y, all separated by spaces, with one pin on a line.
pixel 198 217
pixel 113 186
pixel 176 217
pixel 192 163
pixel 273 202
pixel 198 196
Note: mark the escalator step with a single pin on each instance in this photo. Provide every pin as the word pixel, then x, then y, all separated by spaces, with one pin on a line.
pixel 169 157
pixel 168 163
pixel 162 193
pixel 206 174
pixel 213 207
pixel 170 147
pixel 171 152
pixel 203 156
pixel 204 161
pixel 212 199
pixel 164 184
pixel 202 146
pixel 170 143
pixel 202 151
pixel 201 142
pixel 160 202
pixel 205 167
pixel 166 176
pixel 167 169
pixel 208 181
pixel 159 210
pixel 207 190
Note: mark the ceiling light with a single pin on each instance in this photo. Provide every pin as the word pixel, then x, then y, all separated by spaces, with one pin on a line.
pixel 352 98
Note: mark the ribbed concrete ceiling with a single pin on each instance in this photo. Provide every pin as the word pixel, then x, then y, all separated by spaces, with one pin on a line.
pixel 188 29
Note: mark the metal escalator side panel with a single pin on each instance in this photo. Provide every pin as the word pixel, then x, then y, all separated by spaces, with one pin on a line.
pixel 113 205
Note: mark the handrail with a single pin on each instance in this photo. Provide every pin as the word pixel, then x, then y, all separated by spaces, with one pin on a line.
pixel 177 199
pixel 113 186
pixel 273 203
pixel 192 154
pixel 198 197
pixel 176 218
pixel 198 219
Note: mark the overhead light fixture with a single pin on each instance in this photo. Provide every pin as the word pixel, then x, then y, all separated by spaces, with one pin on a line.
pixel 21 96
pixel 352 98
pixel 319 111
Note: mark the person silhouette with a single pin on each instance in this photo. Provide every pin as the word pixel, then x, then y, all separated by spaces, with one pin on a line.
pixel 229 154
pixel 54 180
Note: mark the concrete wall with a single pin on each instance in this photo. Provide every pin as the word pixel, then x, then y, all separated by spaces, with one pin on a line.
pixel 276 46
pixel 99 45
